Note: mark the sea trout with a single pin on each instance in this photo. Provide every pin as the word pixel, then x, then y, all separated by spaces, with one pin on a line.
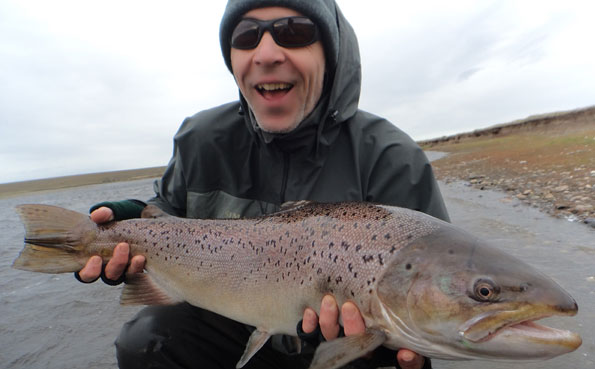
pixel 420 283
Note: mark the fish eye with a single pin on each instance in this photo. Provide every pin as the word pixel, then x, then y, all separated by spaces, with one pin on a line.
pixel 485 290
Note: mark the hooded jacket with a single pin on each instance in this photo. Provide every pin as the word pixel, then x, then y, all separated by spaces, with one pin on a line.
pixel 224 166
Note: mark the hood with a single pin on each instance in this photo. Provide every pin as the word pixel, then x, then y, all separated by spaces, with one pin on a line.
pixel 340 97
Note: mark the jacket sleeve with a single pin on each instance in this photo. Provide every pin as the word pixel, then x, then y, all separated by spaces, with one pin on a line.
pixel 170 190
pixel 401 175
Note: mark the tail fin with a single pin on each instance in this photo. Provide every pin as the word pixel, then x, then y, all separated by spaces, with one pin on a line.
pixel 54 239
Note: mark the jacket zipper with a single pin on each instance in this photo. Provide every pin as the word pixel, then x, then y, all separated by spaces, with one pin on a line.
pixel 285 176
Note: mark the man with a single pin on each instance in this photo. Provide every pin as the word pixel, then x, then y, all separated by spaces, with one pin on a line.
pixel 295 134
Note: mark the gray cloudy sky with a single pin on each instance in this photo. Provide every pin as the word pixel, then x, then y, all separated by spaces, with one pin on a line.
pixel 89 86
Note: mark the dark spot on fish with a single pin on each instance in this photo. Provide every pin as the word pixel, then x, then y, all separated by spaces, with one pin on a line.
pixel 380 260
pixel 358 247
pixel 392 249
pixel 451 251
pixel 409 236
pixel 408 266
pixel 352 294
pixel 367 258
pixel 319 271
pixel 374 238
pixel 338 280
pixel 387 236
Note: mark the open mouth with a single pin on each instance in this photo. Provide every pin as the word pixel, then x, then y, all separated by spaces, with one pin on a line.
pixel 273 90
pixel 503 325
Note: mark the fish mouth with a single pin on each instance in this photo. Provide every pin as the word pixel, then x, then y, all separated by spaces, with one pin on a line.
pixel 520 325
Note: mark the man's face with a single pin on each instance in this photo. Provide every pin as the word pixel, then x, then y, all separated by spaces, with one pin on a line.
pixel 281 85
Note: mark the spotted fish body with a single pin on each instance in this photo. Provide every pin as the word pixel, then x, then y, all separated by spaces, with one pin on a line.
pixel 301 254
pixel 265 271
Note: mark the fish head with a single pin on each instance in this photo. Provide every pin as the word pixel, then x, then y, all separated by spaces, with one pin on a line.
pixel 449 295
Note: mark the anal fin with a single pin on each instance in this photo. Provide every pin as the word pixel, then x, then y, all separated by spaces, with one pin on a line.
pixel 256 341
pixel 141 290
pixel 338 352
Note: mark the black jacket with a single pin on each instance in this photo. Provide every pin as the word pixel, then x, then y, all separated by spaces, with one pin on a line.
pixel 224 166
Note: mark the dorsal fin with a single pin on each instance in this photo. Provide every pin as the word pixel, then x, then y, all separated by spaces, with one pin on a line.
pixel 152 211
pixel 292 205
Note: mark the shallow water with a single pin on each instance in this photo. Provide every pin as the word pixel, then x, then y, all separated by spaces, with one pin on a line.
pixel 53 321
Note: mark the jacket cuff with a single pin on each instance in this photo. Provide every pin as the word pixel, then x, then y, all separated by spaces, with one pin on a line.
pixel 313 338
pixel 125 209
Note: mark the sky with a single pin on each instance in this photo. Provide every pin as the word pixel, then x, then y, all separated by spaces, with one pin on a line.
pixel 91 86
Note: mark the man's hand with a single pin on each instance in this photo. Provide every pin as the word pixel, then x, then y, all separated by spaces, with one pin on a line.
pixel 353 323
pixel 117 264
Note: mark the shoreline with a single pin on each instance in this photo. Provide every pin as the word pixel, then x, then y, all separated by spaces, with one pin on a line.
pixel 13 189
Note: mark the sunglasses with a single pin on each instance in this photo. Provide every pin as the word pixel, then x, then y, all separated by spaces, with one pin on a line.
pixel 288 32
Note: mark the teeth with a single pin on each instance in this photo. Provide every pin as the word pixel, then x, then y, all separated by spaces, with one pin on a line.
pixel 273 86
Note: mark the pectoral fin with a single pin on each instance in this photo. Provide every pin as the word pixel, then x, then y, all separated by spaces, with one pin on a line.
pixel 340 351
pixel 256 341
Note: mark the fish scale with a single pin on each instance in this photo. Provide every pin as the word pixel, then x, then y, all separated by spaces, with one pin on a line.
pixel 336 250
pixel 419 283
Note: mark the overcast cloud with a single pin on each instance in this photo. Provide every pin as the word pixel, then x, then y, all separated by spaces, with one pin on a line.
pixel 96 86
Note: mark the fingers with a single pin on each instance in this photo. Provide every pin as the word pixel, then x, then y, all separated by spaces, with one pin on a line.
pixel 137 264
pixel 309 321
pixel 91 270
pixel 329 318
pixel 353 322
pixel 117 264
pixel 410 360
pixel 102 215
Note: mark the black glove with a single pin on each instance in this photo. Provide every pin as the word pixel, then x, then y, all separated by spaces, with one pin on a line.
pixel 125 209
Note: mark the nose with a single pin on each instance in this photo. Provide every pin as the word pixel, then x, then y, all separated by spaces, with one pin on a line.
pixel 268 52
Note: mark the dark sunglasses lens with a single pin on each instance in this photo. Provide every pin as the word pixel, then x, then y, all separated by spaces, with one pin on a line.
pixel 245 35
pixel 295 31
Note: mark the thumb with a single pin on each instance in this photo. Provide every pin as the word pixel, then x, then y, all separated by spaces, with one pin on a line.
pixel 410 360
